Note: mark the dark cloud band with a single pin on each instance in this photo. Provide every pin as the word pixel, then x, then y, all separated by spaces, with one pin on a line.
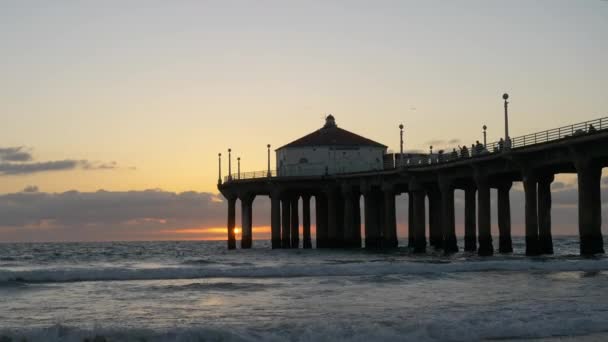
pixel 17 161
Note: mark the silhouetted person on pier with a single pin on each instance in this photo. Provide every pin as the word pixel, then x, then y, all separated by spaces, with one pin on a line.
pixel 454 154
pixel 591 129
pixel 478 147
pixel 464 152
pixel 501 144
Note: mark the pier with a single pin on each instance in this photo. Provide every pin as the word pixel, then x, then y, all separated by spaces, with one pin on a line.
pixel 533 159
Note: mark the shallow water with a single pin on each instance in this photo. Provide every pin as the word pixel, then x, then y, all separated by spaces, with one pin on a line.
pixel 190 291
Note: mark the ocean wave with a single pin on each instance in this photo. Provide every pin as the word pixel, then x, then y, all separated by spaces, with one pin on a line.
pixel 575 330
pixel 213 262
pixel 11 284
pixel 91 273
pixel 220 286
pixel 64 333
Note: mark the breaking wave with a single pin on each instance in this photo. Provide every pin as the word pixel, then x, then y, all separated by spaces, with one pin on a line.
pixel 96 273
pixel 575 330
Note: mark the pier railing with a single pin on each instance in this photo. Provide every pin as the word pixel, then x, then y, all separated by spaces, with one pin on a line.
pixel 250 175
pixel 560 133
pixel 565 132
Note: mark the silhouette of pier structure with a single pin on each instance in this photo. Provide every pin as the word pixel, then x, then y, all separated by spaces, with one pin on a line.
pixel 532 159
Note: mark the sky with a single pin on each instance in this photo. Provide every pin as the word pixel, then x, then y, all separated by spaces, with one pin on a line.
pixel 113 112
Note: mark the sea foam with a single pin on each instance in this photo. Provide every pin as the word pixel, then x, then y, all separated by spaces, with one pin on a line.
pixel 99 273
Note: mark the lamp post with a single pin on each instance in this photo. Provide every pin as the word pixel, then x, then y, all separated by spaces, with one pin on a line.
pixel 269 174
pixel 485 145
pixel 219 177
pixel 229 164
pixel 505 97
pixel 238 167
pixel 401 145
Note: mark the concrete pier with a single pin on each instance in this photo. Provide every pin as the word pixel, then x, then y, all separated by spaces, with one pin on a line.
pixel 410 220
pixel 321 213
pixel 275 220
pixel 545 239
pixel 286 226
pixel 306 236
pixel 470 220
pixel 389 234
pixel 530 183
pixel 246 219
pixel 484 220
pixel 332 218
pixel 231 222
pixel 295 223
pixel 435 228
pixel 418 196
pixel 350 235
pixel 357 220
pixel 338 197
pixel 373 237
pixel 448 222
pixel 505 243
pixel 589 207
pixel 340 235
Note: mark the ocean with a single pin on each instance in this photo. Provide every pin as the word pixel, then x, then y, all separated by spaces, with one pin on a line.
pixel 200 291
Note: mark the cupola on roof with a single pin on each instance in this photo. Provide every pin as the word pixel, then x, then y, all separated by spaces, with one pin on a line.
pixel 331 135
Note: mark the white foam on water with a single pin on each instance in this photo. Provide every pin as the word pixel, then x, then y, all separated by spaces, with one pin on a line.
pixel 582 329
pixel 96 273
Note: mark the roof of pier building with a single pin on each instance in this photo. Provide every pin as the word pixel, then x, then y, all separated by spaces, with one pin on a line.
pixel 332 135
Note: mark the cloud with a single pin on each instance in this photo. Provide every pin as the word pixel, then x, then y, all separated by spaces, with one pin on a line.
pixel 87 165
pixel 29 168
pixel 30 188
pixel 108 215
pixel 31 215
pixel 558 185
pixel 16 161
pixel 14 154
pixel 443 144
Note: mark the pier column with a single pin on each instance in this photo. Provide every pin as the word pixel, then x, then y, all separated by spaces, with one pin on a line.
pixel 231 222
pixel 418 195
pixel 448 223
pixel 246 221
pixel 340 242
pixel 484 220
pixel 505 244
pixel 410 219
pixel 545 240
pixel 530 183
pixel 332 218
pixel 357 221
pixel 295 222
pixel 307 243
pixel 286 218
pixel 321 212
pixel 589 208
pixel 275 220
pixel 389 236
pixel 349 216
pixel 372 231
pixel 470 220
pixel 435 228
